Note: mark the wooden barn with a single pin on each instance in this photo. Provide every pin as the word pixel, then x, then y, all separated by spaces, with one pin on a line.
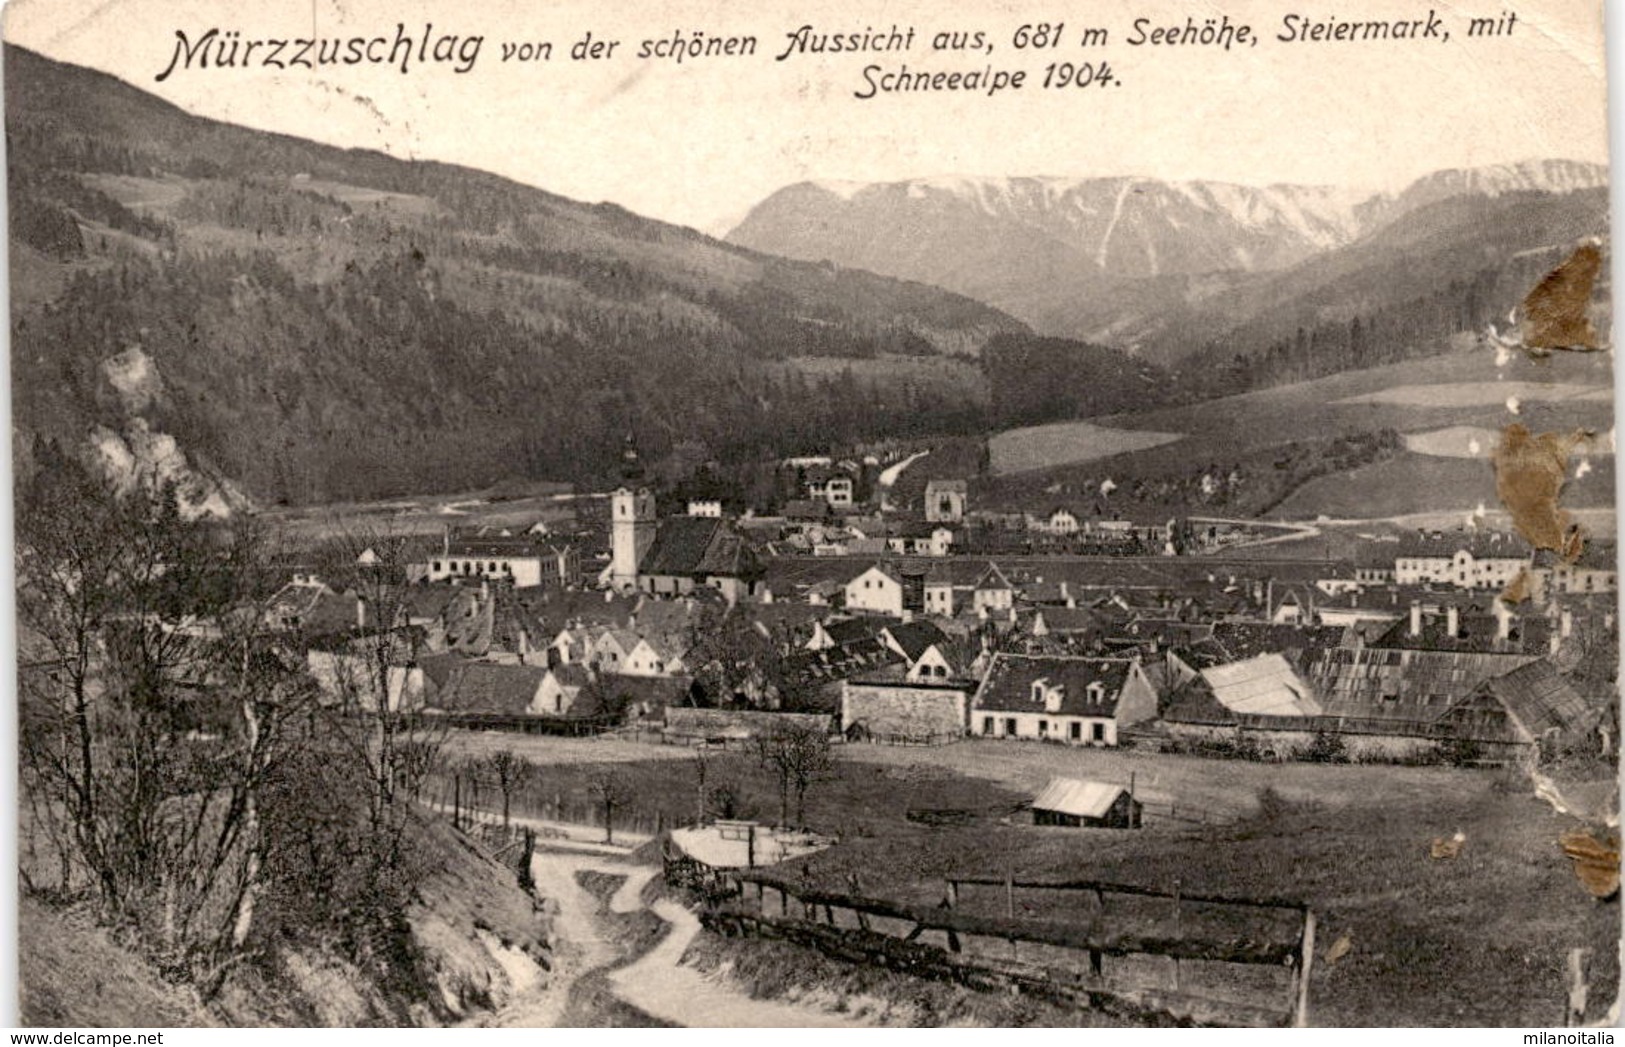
pixel 1090 805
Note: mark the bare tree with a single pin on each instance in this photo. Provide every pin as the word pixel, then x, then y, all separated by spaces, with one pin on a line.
pixel 150 710
pixel 510 770
pixel 372 708
pixel 611 792
pixel 800 755
pixel 702 765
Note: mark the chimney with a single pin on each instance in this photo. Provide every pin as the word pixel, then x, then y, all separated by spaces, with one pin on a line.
pixel 1565 627
pixel 1416 618
pixel 1453 621
pixel 361 615
pixel 1503 620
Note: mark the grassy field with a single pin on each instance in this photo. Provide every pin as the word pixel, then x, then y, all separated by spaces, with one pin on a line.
pixel 431 514
pixel 1066 443
pixel 1412 482
pixel 1481 939
pixel 857 798
pixel 1340 403
pixel 1256 430
pixel 549 751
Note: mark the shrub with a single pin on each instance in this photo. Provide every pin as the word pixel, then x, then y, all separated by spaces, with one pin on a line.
pixel 1327 747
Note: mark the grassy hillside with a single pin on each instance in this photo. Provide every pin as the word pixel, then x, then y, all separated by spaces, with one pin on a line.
pixel 1297 449
pixel 1480 939
pixel 1451 266
pixel 328 323
pixel 477 941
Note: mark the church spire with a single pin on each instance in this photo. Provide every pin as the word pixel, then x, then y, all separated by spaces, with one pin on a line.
pixel 631 465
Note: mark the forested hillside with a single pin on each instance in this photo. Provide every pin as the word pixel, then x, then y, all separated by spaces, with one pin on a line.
pixel 325 324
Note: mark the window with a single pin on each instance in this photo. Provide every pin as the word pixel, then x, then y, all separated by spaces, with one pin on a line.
pixel 1075 731
pixel 1097 732
pixel 987 725
pixel 1043 728
pixel 436 566
pixel 1010 726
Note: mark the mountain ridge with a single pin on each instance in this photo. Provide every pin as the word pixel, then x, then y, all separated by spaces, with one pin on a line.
pixel 1080 256
pixel 334 323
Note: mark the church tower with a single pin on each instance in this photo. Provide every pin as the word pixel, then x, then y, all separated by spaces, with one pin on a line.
pixel 632 521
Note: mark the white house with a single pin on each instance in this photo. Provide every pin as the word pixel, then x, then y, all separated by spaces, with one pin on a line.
pixel 1082 701
pixel 524 560
pixel 1466 562
pixel 649 658
pixel 878 590
pixel 993 592
pixel 1062 521
pixel 559 689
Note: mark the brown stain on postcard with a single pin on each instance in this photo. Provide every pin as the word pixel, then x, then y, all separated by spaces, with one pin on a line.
pixel 1557 313
pixel 1521 588
pixel 1530 470
pixel 1596 860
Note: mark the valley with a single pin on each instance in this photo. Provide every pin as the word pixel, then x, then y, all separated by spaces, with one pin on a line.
pixel 990 601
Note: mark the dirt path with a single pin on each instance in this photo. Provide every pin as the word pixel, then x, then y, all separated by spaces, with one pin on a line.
pixel 578 945
pixel 656 982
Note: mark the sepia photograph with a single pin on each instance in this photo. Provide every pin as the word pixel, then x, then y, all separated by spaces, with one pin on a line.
pixel 680 514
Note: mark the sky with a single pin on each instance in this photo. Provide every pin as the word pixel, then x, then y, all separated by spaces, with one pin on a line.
pixel 700 142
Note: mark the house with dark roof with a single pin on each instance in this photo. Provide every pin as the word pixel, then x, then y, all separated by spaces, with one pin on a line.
pixel 1463 625
pixel 1066 623
pixel 911 639
pixel 489 689
pixel 1079 700
pixel 928 653
pixel 920 538
pixel 1243 639
pixel 698 551
pixel 843 632
pixel 1530 706
pixel 1387 684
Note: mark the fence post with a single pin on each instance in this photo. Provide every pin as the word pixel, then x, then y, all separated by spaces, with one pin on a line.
pixel 1574 1010
pixel 1306 960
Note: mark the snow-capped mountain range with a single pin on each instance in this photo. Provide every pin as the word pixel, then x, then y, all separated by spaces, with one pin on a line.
pixel 1019 243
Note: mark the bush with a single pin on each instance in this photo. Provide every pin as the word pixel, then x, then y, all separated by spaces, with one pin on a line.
pixel 1327 747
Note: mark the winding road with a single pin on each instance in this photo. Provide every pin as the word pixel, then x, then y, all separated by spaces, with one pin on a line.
pixel 655 983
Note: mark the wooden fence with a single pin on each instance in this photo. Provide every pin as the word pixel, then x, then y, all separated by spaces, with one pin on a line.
pixel 1150 966
pixel 468 798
